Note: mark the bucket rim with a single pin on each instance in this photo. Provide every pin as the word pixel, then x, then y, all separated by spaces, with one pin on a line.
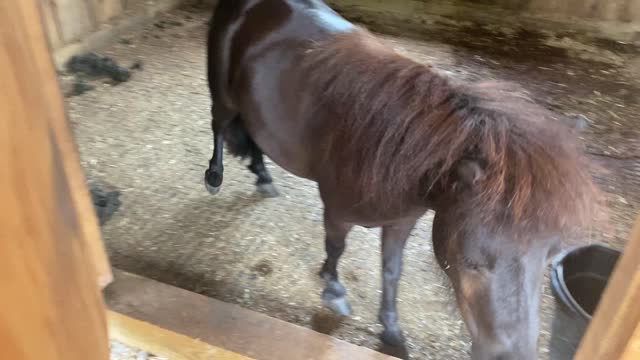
pixel 557 278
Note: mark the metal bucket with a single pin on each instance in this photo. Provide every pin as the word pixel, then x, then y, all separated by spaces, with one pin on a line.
pixel 578 279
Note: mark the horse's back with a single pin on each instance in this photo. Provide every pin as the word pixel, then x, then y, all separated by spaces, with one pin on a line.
pixel 239 27
pixel 253 50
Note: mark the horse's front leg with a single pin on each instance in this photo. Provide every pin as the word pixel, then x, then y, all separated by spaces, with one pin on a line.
pixel 334 295
pixel 394 238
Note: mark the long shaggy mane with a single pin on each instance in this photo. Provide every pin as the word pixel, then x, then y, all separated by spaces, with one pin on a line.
pixel 402 128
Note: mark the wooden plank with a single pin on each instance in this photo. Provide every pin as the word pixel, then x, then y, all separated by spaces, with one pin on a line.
pixel 608 10
pixel 225 325
pixel 51 306
pixel 162 342
pixel 614 328
pixel 82 199
pixel 632 11
pixel 550 6
pixel 51 24
pixel 632 351
pixel 106 10
pixel 76 19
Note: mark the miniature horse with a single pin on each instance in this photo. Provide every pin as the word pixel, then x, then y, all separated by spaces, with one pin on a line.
pixel 386 139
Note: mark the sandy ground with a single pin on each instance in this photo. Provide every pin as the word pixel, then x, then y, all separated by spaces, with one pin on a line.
pixel 149 138
pixel 120 351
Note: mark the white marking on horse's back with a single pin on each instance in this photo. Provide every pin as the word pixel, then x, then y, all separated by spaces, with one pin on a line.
pixel 331 20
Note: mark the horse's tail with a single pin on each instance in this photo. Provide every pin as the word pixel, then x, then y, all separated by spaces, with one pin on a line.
pixel 238 140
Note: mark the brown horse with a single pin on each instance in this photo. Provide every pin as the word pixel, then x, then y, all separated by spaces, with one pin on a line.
pixel 386 139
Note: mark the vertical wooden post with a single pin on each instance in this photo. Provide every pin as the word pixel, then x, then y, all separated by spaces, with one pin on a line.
pixel 71 162
pixel 50 304
pixel 75 19
pixel 51 23
pixel 105 10
pixel 614 333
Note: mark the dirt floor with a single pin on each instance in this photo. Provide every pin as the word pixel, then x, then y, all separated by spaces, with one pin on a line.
pixel 120 351
pixel 149 139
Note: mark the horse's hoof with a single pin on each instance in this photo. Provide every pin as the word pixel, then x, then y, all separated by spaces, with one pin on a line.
pixel 267 190
pixel 338 304
pixel 208 181
pixel 213 190
pixel 393 338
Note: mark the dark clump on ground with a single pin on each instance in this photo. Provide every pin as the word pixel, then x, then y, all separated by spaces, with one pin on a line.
pixel 89 67
pixel 163 24
pixel 80 86
pixel 94 65
pixel 106 203
pixel 137 65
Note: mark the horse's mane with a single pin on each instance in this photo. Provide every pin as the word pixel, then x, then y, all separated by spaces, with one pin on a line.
pixel 402 129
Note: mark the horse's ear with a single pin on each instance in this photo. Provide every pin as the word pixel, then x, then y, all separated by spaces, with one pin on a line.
pixel 469 172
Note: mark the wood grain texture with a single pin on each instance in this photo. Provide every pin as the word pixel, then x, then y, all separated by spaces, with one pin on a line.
pixel 71 161
pixel 105 10
pixel 162 342
pixel 224 325
pixel 75 18
pixel 51 23
pixel 614 331
pixel 632 11
pixel 51 307
pixel 608 10
pixel 632 351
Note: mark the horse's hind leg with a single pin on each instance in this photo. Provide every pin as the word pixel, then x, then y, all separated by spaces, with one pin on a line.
pixel 394 238
pixel 264 184
pixel 214 174
pixel 334 295
pixel 240 144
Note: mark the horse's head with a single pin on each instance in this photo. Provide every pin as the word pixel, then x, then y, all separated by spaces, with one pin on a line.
pixel 496 272
pixel 512 184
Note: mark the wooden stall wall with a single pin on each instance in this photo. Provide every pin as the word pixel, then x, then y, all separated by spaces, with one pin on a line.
pixel 68 21
pixel 76 26
pixel 51 253
pixel 607 10
pixel 71 21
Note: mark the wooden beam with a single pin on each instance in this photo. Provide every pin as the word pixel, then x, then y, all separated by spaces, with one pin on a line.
pixel 51 306
pixel 614 332
pixel 75 174
pixel 105 10
pixel 76 19
pixel 51 23
pixel 632 351
pixel 224 325
pixel 163 342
